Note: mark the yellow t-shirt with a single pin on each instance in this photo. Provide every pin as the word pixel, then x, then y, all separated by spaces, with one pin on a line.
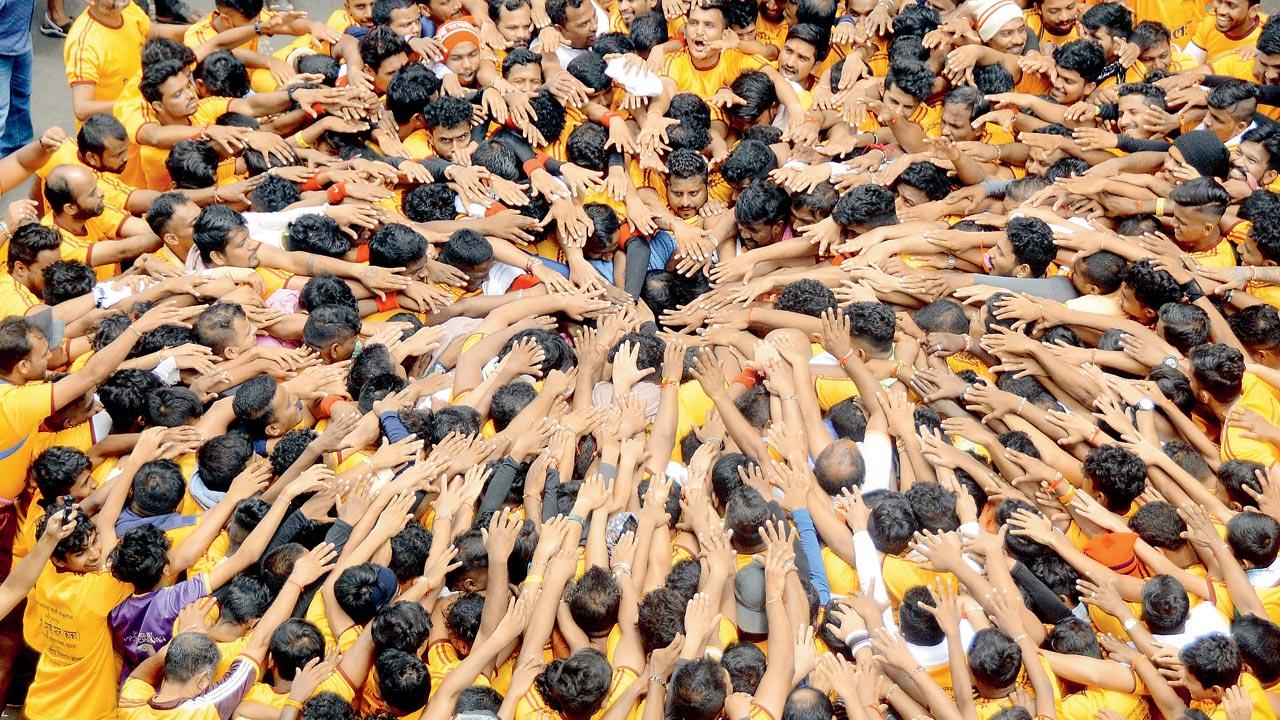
pixel 15 298
pixel 154 173
pixel 987 708
pixel 532 707
pixel 1086 704
pixel 80 247
pixel 1263 399
pixel 1222 255
pixel 136 695
pixel 442 659
pixel 1036 25
pixel 1216 44
pixel 704 83
pixel 1232 65
pixel 66 620
pixel 1180 16
pixel 22 409
pixel 1257 697
pixel 104 56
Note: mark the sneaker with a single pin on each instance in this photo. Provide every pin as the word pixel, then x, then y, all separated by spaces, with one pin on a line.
pixel 49 28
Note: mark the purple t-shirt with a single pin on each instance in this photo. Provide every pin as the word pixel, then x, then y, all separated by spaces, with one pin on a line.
pixel 143 624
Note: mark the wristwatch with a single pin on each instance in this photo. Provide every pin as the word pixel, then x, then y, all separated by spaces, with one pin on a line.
pixel 1146 405
pixel 1171 361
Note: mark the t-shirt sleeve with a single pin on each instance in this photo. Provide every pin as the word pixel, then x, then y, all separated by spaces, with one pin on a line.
pixel 135 690
pixel 102 592
pixel 83 61
pixel 231 689
pixel 26 406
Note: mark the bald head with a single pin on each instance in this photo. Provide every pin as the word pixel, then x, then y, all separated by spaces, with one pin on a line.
pixel 72 190
pixel 839 466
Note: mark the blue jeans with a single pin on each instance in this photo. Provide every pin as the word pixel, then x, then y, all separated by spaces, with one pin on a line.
pixel 15 105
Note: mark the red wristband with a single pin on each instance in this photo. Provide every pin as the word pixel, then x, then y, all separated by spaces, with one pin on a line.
pixel 390 302
pixel 311 184
pixel 318 109
pixel 326 405
pixel 336 193
pixel 747 378
pixel 536 162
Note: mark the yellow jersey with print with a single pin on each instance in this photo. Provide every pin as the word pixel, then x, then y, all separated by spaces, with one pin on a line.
pixel 154 172
pixel 1263 399
pixel 104 56
pixel 66 620
pixel 772 34
pixel 1180 16
pixel 532 707
pixel 1216 44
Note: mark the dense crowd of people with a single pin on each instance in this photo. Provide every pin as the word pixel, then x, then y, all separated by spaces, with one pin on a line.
pixel 632 360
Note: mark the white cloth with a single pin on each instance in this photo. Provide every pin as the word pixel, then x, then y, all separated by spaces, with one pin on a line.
pixel 1204 619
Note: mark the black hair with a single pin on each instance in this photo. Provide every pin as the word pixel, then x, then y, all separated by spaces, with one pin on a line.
pixel 403 680
pixel 410 90
pixel 1159 525
pixel 294 643
pixel 1254 538
pixel 1219 369
pixel 1213 660
pixel 402 625
pixel 1032 242
pixel 697 690
pixel 647 31
pixel 576 685
pixel 66 280
pixel 222 458
pixel 396 245
pixel 866 207
pixel 919 626
pixel 140 557
pixel 223 74
pixel 994 658
pixel 430 202
pixel 1104 269
pixel 157 488
pixel 380 44
pixel 325 289
pixel 1083 56
pixel 1119 475
pixel 124 395
pixel 466 249
pixel 807 297
pixel 1152 287
pixel 1165 604
pixel 192 164
pixel 1185 325
pixel 749 162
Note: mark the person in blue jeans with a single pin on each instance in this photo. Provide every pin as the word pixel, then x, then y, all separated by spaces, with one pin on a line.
pixel 15 74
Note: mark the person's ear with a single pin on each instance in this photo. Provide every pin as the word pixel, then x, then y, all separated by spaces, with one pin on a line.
pixel 1203 397
pixel 273 430
pixel 1023 270
pixel 1268 177
pixel 230 353
pixel 1089 88
pixel 218 257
